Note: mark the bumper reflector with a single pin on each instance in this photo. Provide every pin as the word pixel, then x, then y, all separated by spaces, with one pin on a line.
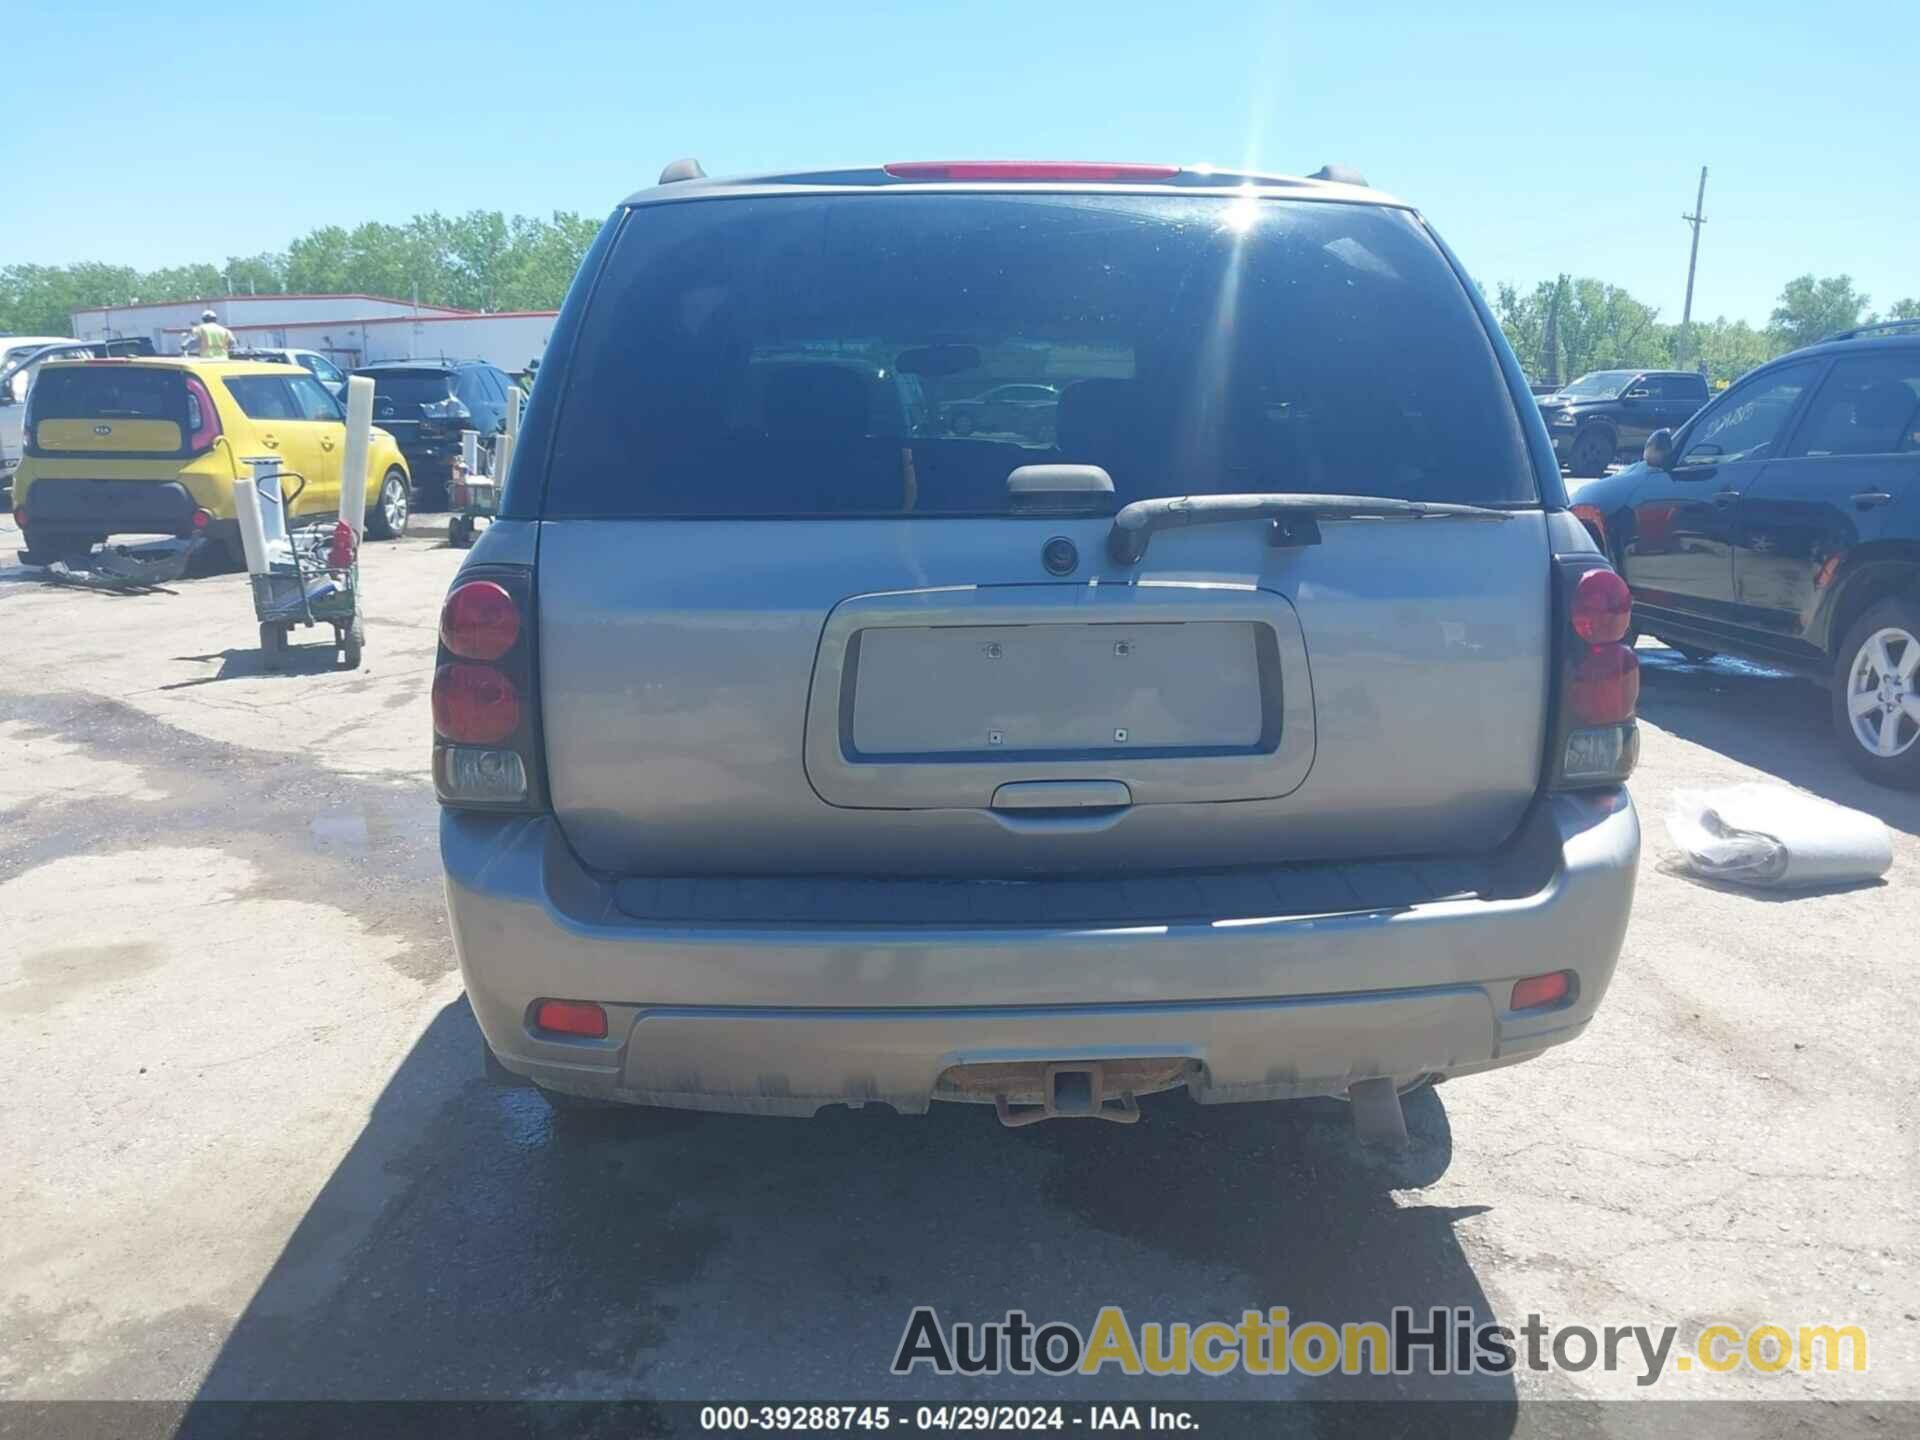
pixel 574 1017
pixel 1537 991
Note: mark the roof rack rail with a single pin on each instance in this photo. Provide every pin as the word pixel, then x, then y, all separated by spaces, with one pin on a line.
pixel 1339 175
pixel 687 169
pixel 1878 327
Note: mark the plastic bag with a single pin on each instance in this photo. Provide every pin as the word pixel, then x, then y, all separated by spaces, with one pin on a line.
pixel 1772 836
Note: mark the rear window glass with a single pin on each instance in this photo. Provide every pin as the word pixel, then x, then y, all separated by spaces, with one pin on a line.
pixel 412 387
pixel 886 355
pixel 108 392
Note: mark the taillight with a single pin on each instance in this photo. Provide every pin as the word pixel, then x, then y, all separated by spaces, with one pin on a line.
pixel 1594 740
pixel 1606 685
pixel 1602 607
pixel 479 621
pixel 203 421
pixel 474 704
pixel 486 741
pixel 1069 170
pixel 20 516
pixel 201 519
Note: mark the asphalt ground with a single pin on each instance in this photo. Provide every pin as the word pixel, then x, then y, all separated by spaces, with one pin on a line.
pixel 250 1152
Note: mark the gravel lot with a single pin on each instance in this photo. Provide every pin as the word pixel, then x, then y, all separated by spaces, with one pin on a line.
pixel 250 1151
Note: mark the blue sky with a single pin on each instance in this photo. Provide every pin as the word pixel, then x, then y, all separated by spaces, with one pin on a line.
pixel 1537 137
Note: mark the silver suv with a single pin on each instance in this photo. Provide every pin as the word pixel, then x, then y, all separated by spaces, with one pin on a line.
pixel 1255 725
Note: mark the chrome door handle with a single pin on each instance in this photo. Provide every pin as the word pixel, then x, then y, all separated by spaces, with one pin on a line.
pixel 1725 497
pixel 326 444
pixel 1867 499
pixel 270 442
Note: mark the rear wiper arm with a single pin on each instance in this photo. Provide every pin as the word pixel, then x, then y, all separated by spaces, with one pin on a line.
pixel 1295 517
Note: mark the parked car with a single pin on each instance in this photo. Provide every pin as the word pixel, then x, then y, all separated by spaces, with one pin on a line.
pixel 1019 409
pixel 312 361
pixel 153 446
pixel 426 404
pixel 1782 524
pixel 788 764
pixel 21 357
pixel 16 347
pixel 1601 415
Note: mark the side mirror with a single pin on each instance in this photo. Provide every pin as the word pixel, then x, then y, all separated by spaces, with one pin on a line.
pixel 1658 451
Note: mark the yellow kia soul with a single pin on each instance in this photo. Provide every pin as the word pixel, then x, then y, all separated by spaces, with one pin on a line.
pixel 152 446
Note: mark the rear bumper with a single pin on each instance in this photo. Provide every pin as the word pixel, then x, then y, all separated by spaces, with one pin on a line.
pixel 784 1018
pixel 430 459
pixel 110 507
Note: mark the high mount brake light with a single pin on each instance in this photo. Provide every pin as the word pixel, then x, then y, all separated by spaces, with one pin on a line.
pixel 1071 170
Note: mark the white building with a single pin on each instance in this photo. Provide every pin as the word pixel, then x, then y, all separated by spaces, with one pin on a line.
pixel 350 329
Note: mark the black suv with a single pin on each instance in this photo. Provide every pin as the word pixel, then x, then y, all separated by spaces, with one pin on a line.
pixel 1600 415
pixel 425 404
pixel 1782 524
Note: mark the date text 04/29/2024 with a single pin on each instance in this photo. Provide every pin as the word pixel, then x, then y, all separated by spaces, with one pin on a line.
pixel 976 1419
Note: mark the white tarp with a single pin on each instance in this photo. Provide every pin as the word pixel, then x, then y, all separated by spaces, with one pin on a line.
pixel 1773 836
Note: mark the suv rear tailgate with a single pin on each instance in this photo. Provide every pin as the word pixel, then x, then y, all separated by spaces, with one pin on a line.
pixel 785 627
pixel 1404 713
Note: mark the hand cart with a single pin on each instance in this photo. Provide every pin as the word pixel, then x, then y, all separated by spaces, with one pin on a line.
pixel 474 495
pixel 316 583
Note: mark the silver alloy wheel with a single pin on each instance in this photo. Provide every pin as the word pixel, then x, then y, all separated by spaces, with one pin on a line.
pixel 1883 693
pixel 393 503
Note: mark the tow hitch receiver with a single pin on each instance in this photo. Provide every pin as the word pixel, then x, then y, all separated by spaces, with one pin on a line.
pixel 1071 1089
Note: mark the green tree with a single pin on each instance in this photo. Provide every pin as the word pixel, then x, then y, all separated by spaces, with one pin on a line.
pixel 1603 327
pixel 542 258
pixel 1727 349
pixel 1908 309
pixel 482 260
pixel 317 262
pixel 1811 309
pixel 182 282
pixel 41 299
pixel 262 274
pixel 1523 320
pixel 1594 325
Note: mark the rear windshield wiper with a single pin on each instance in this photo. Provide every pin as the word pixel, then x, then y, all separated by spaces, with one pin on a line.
pixel 1295 517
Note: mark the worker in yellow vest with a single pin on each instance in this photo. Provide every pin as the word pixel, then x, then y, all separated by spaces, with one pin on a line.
pixel 210 339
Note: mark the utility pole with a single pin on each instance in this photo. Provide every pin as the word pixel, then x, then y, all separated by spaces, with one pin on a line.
pixel 1696 219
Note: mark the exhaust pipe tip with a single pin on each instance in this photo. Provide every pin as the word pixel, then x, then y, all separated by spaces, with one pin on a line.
pixel 1378 1118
